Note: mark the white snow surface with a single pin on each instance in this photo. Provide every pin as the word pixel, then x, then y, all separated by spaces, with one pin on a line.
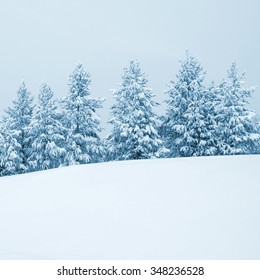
pixel 186 208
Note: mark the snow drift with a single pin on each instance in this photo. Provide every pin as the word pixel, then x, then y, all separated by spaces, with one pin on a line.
pixel 186 208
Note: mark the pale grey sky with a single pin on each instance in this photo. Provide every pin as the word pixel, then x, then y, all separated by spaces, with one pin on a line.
pixel 44 40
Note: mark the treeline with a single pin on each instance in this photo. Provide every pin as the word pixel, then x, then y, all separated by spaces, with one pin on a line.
pixel 199 120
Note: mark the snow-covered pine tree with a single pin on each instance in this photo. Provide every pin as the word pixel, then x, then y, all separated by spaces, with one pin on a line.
pixel 201 125
pixel 47 133
pixel 134 134
pixel 189 124
pixel 237 132
pixel 17 121
pixel 81 120
pixel 10 161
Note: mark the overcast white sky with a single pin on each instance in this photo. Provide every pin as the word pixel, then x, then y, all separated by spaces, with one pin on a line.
pixel 43 41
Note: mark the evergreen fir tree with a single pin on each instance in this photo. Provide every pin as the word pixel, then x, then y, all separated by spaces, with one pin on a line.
pixel 200 137
pixel 237 132
pixel 11 163
pixel 47 133
pixel 17 121
pixel 134 134
pixel 81 120
pixel 189 124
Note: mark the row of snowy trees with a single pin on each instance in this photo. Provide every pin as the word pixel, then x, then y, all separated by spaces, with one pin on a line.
pixel 210 120
pixel 199 120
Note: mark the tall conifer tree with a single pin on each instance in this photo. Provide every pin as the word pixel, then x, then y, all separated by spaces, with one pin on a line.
pixel 134 134
pixel 47 133
pixel 237 132
pixel 81 120
pixel 17 121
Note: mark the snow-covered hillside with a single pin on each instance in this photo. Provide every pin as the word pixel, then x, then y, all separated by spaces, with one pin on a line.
pixel 187 208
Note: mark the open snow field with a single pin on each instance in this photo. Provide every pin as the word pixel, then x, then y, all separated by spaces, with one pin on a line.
pixel 188 208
